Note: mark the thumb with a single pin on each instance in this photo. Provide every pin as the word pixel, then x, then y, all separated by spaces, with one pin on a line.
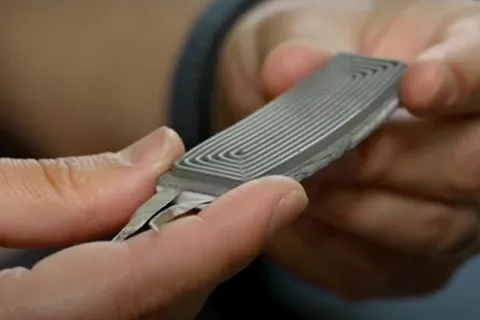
pixel 278 44
pixel 288 64
pixel 154 271
pixel 55 202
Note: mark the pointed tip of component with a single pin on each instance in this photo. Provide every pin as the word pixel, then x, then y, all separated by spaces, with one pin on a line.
pixel 123 235
pixel 143 214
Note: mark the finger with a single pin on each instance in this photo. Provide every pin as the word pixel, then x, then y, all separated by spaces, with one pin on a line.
pixel 410 225
pixel 55 202
pixel 352 267
pixel 434 159
pixel 445 78
pixel 153 270
pixel 279 44
pixel 288 64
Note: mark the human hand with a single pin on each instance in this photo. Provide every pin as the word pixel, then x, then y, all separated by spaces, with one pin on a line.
pixel 399 214
pixel 167 273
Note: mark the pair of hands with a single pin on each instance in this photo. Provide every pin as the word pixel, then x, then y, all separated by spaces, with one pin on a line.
pixel 390 219
pixel 399 214
pixel 165 274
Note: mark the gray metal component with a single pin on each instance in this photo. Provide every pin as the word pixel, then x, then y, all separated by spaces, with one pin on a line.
pixel 171 201
pixel 176 211
pixel 295 135
pixel 149 209
pixel 187 196
pixel 300 132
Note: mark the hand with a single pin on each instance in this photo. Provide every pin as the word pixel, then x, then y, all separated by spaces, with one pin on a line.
pixel 167 273
pixel 399 214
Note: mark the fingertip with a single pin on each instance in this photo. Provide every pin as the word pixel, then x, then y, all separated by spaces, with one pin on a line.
pixel 428 88
pixel 288 210
pixel 175 142
pixel 288 199
pixel 288 64
pixel 278 180
pixel 268 191
pixel 287 185
pixel 162 146
pixel 275 186
pixel 260 206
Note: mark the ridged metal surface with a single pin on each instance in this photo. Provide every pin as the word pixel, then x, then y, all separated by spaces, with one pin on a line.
pixel 298 133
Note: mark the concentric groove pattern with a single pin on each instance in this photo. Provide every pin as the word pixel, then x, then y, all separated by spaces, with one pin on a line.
pixel 300 132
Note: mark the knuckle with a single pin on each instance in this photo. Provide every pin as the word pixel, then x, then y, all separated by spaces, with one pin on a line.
pixel 71 177
pixel 445 230
pixel 30 180
pixel 361 212
pixel 61 178
pixel 375 154
pixel 466 176
pixel 435 230
pixel 57 179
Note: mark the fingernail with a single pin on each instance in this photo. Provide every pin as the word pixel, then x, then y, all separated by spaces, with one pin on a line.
pixel 151 148
pixel 289 207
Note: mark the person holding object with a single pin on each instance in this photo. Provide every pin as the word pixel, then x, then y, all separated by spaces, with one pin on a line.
pixel 401 218
pixel 166 273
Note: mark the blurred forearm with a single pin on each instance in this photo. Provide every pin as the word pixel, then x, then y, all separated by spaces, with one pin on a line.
pixel 88 76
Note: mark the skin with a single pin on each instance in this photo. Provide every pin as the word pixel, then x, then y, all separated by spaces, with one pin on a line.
pixel 392 218
pixel 116 67
pixel 398 215
pixel 166 274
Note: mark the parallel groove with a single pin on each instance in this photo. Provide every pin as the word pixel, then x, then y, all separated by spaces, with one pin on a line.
pixel 300 132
